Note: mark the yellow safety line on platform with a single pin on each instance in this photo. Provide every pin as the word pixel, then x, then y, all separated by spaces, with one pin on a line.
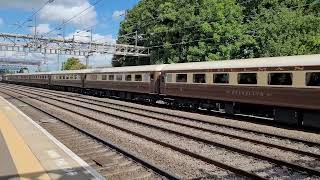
pixel 26 163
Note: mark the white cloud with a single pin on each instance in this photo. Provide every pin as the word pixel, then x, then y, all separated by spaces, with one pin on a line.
pixel 98 60
pixel 118 14
pixel 58 10
pixel 41 29
pixel 61 12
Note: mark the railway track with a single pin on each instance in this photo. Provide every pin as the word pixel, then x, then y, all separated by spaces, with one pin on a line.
pixel 295 166
pixel 238 172
pixel 108 159
pixel 183 120
pixel 127 109
pixel 161 115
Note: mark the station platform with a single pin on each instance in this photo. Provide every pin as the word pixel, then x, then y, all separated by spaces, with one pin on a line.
pixel 27 151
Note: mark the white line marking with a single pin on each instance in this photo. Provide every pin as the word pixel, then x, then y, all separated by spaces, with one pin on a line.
pixel 58 143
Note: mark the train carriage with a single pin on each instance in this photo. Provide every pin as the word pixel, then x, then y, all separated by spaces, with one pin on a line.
pixel 37 79
pixel 125 82
pixel 286 88
pixel 71 80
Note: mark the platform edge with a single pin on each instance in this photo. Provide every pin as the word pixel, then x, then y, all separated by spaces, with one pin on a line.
pixel 70 153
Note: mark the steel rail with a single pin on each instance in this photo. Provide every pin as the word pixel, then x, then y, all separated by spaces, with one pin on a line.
pixel 238 150
pixel 143 162
pixel 181 150
pixel 311 143
pixel 188 126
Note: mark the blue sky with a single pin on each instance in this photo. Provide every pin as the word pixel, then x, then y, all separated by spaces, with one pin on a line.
pixel 104 18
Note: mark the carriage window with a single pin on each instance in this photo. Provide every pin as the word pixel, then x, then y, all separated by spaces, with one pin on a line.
pixel 67 77
pixel 119 77
pixel 138 77
pixel 151 77
pixel 313 79
pixel 221 78
pixel 128 77
pixel 104 77
pixel 199 78
pixel 280 79
pixel 111 77
pixel 71 76
pixel 94 77
pixel 169 77
pixel 247 78
pixel 181 78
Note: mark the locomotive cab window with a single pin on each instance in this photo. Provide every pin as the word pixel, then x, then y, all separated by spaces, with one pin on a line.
pixel 221 78
pixel 181 78
pixel 138 77
pixel 313 79
pixel 280 79
pixel 128 77
pixel 199 78
pixel 247 78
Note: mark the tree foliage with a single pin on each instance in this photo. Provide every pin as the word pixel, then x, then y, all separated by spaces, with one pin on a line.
pixel 73 64
pixel 204 30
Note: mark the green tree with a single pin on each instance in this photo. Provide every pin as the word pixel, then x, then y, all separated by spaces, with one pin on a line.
pixel 203 30
pixel 73 64
pixel 284 27
pixel 24 70
pixel 185 30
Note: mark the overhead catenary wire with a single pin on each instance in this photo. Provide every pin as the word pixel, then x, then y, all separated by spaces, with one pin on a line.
pixel 73 17
pixel 33 14
pixel 179 43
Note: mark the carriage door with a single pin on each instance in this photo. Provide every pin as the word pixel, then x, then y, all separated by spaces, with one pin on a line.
pixel 83 80
pixel 154 82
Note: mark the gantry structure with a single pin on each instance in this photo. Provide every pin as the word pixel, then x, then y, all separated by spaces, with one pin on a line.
pixel 25 44
pixel 46 45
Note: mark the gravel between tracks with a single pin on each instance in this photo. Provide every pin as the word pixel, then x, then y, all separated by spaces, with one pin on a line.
pixel 169 160
pixel 313 137
pixel 274 152
pixel 240 133
pixel 262 168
